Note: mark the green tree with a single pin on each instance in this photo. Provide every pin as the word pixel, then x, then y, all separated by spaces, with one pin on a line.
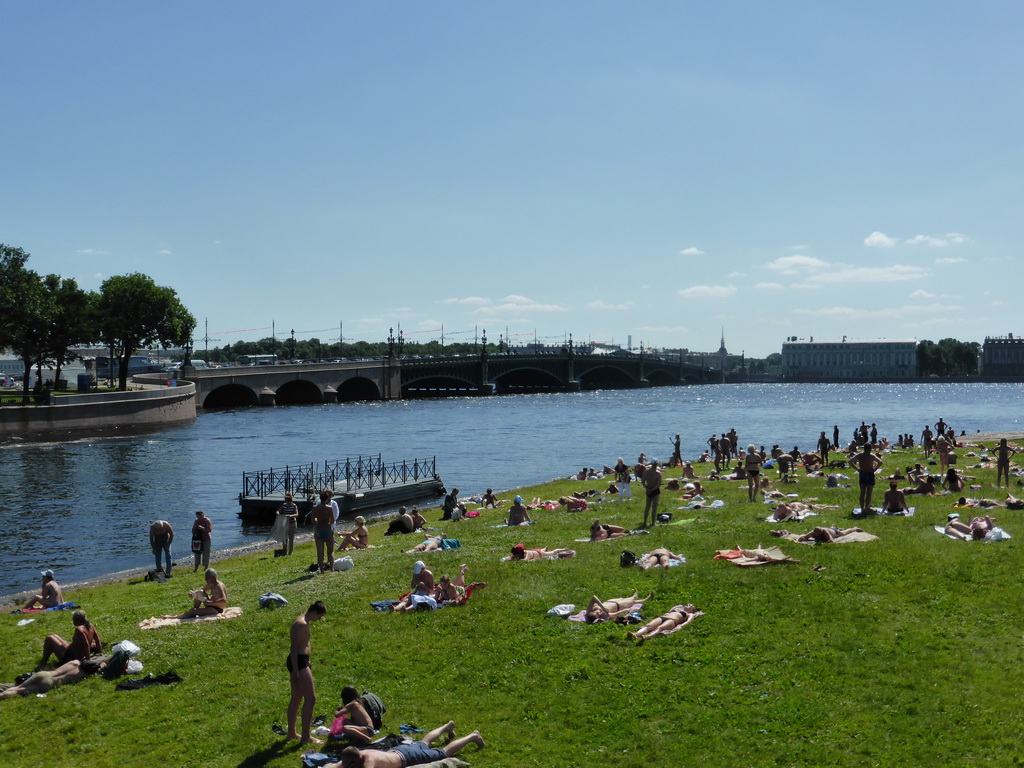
pixel 72 320
pixel 24 319
pixel 135 312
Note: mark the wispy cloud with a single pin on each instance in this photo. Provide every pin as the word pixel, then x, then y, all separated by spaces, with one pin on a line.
pixel 691 251
pixel 894 272
pixel 91 252
pixel 797 265
pixel 769 286
pixel 164 252
pixel 734 275
pixel 879 240
pixel 603 305
pixel 707 291
pixel 949 260
pixel 468 301
pixel 921 293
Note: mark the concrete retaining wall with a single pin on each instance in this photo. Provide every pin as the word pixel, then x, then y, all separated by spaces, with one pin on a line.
pixel 101 412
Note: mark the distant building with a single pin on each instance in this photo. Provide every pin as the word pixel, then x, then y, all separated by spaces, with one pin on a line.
pixel 876 359
pixel 1003 356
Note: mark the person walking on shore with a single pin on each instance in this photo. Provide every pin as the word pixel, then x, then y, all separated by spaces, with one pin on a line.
pixel 301 673
pixel 160 537
pixel 202 538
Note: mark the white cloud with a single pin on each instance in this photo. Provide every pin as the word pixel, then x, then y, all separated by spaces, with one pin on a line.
pixel 736 274
pixel 603 305
pixel 164 252
pixel 949 260
pixel 691 251
pixel 921 293
pixel 850 313
pixel 469 300
pixel 707 291
pixel 91 252
pixel 956 238
pixel 888 274
pixel 879 240
pixel 799 247
pixel 769 286
pixel 929 240
pixel 795 265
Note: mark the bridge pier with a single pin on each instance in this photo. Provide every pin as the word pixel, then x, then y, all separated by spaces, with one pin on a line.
pixel 330 394
pixel 266 396
pixel 573 386
pixel 487 389
pixel 644 384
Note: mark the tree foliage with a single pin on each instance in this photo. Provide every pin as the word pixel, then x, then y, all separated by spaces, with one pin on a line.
pixel 134 312
pixel 948 358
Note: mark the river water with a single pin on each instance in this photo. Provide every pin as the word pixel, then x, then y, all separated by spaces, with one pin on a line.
pixel 83 507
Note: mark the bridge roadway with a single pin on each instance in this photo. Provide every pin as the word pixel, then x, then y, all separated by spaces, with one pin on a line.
pixel 392 378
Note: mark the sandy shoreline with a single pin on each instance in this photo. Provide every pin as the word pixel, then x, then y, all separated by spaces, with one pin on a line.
pixel 12 601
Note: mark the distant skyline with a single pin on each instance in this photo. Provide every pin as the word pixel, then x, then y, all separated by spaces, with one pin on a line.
pixel 655 171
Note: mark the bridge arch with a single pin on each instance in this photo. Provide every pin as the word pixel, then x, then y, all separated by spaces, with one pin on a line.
pixel 606 377
pixel 298 392
pixel 527 380
pixel 356 389
pixel 439 386
pixel 230 396
pixel 661 378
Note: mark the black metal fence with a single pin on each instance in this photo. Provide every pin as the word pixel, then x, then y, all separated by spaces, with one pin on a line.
pixel 342 475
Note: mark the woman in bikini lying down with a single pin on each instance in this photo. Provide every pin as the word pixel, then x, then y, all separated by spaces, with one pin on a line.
pixel 610 609
pixel 678 616
pixel 520 552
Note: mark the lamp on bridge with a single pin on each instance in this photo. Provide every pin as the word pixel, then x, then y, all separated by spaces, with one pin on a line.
pixel 401 340
pixel 483 339
pixel 188 354
pixel 391 342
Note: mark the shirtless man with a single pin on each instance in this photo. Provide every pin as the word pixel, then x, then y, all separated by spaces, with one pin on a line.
pixel 211 599
pixel 301 673
pixel 358 538
pixel 866 464
pixel 85 642
pixel 824 446
pixel 50 595
pixel 926 440
pixel 405 755
pixel 652 485
pixel 160 537
pixel 895 503
pixel 1003 453
pixel 323 518
pixel 422 579
pixel 44 681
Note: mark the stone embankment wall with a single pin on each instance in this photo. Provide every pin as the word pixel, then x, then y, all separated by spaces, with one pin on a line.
pixel 101 412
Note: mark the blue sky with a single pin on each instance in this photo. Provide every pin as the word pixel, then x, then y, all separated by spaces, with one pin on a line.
pixel 656 171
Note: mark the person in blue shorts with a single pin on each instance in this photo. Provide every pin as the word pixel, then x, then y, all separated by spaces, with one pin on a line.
pixel 405 755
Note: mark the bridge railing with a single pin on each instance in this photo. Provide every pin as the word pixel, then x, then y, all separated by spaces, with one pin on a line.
pixel 344 475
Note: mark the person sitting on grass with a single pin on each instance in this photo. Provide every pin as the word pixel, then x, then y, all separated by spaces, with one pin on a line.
pixel 209 600
pixel 50 595
pixel 675 617
pixel 358 538
pixel 490 501
pixel 517 513
pixel 520 552
pixel 894 502
pixel 422 579
pixel 599 532
pixel 358 727
pixel 659 557
pixel 953 481
pixel 820 535
pixel 406 755
pixel 599 610
pixel 925 487
pixel 85 642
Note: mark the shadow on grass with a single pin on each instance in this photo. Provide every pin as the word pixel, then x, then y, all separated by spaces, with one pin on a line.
pixel 264 756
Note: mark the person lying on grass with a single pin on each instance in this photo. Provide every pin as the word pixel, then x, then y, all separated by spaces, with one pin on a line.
pixel 599 532
pixel 406 755
pixel 599 609
pixel 964 503
pixel 820 534
pixel 678 616
pixel 659 557
pixel 429 544
pixel 520 552
pixel 975 530
pixel 45 681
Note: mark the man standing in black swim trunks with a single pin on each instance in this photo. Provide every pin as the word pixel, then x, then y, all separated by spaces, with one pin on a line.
pixel 866 464
pixel 301 673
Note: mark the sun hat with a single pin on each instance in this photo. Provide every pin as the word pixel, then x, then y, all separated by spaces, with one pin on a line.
pixel 418 566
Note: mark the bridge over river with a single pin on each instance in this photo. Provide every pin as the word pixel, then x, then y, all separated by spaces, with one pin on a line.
pixel 392 378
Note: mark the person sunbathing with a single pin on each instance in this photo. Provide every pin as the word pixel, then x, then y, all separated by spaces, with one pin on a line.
pixel 45 681
pixel 599 532
pixel 894 502
pixel 925 487
pixel 358 538
pixel 599 609
pixel 1012 502
pixel 50 594
pixel 976 530
pixel 953 481
pixel 791 510
pixel 490 501
pixel 659 557
pixel 517 513
pixel 209 600
pixel 85 642
pixel 358 727
pixel 688 472
pixel 519 552
pixel 964 502
pixel 430 544
pixel 690 490
pixel 407 755
pixel 820 535
pixel 675 617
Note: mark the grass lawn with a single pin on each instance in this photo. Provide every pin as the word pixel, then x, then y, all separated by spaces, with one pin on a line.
pixel 901 651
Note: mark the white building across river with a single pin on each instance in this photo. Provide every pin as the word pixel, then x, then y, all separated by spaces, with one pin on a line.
pixel 869 359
